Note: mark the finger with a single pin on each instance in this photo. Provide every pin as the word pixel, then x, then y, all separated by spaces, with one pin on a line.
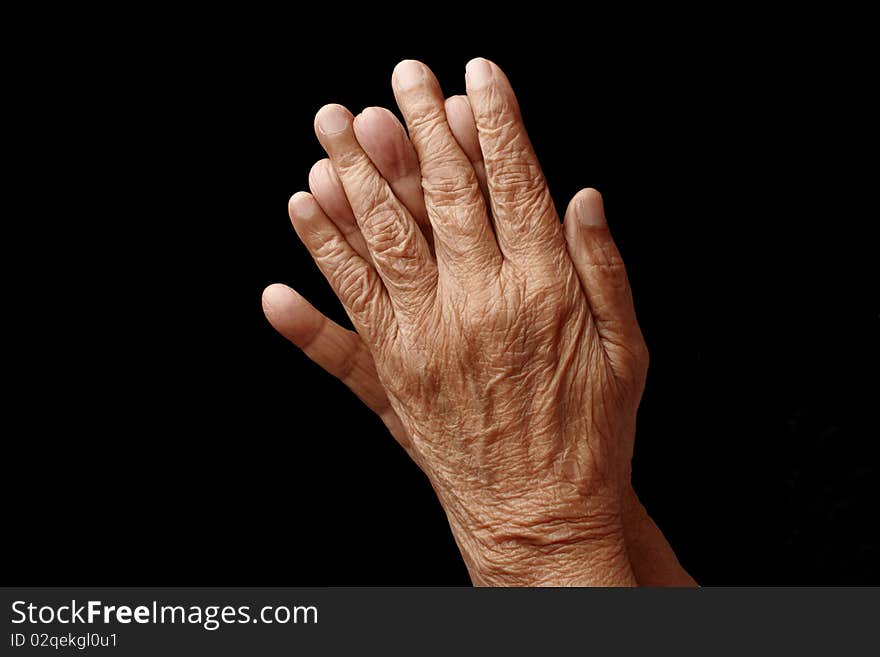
pixel 601 270
pixel 463 237
pixel 461 121
pixel 352 278
pixel 339 351
pixel 398 248
pixel 385 142
pixel 327 190
pixel 525 218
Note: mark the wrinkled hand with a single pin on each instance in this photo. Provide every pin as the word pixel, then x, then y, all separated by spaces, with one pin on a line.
pixel 510 361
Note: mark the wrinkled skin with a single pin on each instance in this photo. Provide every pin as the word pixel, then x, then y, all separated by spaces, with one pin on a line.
pixel 498 345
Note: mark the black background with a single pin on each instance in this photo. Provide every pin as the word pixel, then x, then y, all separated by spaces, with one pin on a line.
pixel 160 431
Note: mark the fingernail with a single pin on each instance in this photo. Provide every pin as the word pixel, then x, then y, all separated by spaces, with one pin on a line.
pixel 302 206
pixel 368 112
pixel 275 296
pixel 332 119
pixel 408 74
pixel 592 211
pixel 478 73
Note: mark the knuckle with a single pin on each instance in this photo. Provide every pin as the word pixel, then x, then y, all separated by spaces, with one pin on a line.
pixel 372 198
pixel 330 250
pixel 608 259
pixel 517 182
pixel 516 179
pixel 355 287
pixel 393 242
pixel 385 230
pixel 425 121
pixel 514 175
pixel 448 183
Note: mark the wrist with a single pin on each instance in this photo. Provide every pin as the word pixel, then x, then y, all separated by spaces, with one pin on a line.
pixel 586 552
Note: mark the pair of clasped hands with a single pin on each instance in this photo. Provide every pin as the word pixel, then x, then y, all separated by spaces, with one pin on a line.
pixel 498 345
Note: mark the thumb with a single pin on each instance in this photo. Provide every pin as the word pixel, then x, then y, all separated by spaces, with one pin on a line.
pixel 601 271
